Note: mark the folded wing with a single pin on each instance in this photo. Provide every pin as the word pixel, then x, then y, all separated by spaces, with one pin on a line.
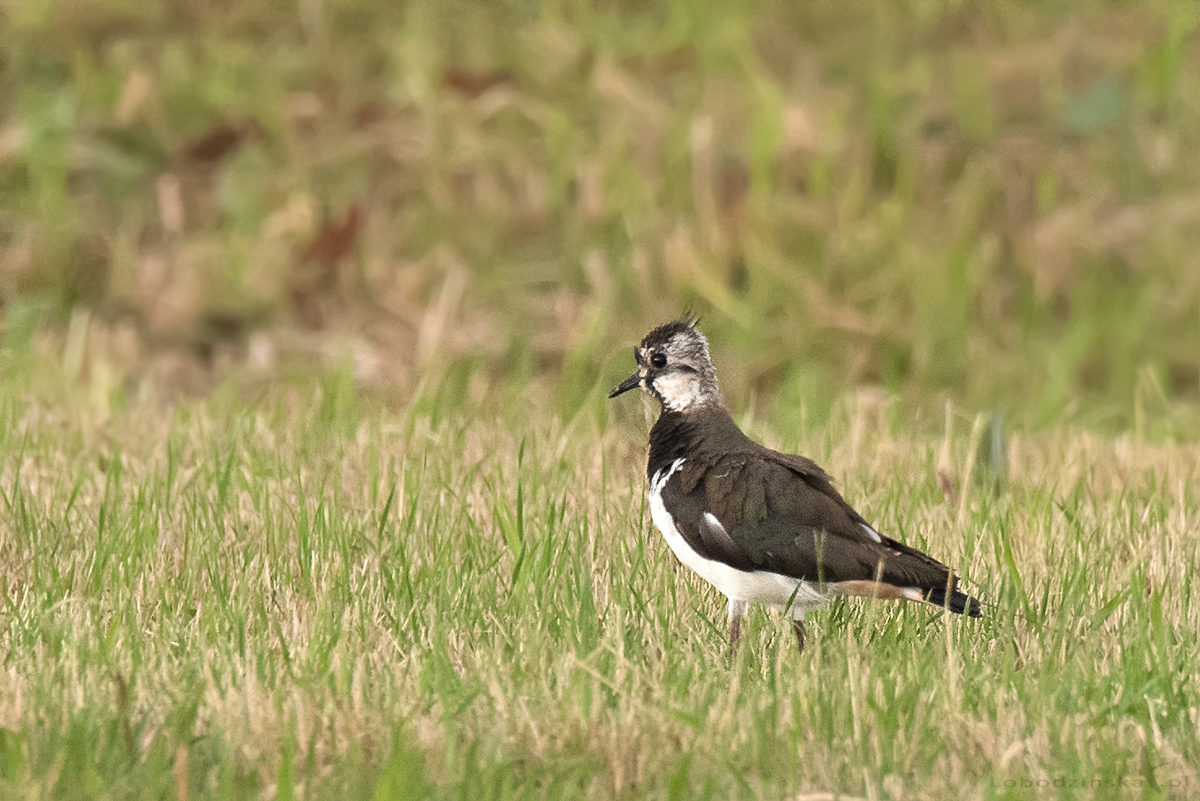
pixel 783 515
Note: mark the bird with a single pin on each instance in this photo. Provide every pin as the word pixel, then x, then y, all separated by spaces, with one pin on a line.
pixel 759 525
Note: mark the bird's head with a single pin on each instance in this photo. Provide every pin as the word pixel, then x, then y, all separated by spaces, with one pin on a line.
pixel 674 366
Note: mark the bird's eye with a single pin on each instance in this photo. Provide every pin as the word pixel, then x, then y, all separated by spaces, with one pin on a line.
pixel 658 360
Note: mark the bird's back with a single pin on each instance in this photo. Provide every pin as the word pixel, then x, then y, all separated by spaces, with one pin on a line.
pixel 780 511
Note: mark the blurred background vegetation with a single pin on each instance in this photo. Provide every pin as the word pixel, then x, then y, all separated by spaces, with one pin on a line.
pixel 996 203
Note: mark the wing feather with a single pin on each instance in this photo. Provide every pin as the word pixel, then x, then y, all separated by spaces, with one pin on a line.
pixel 781 513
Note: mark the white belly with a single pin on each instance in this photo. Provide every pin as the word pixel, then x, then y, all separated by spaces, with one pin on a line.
pixel 759 586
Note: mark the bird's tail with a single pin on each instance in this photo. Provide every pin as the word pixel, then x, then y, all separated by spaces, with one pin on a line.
pixel 956 601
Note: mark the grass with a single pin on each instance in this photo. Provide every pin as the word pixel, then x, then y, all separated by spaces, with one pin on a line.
pixel 898 195
pixel 315 593
pixel 308 488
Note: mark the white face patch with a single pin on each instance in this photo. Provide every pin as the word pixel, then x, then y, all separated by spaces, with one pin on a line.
pixel 678 390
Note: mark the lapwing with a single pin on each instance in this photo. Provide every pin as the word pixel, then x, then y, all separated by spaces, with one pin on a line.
pixel 759 525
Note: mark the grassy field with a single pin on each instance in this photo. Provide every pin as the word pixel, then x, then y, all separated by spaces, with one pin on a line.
pixel 308 485
pixel 996 200
pixel 297 592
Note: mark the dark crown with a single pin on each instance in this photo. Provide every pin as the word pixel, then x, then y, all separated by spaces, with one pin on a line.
pixel 665 332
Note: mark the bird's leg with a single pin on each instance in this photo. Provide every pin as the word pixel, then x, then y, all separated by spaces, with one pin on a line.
pixel 737 609
pixel 798 627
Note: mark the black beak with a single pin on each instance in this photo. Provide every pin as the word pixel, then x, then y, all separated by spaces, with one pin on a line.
pixel 626 385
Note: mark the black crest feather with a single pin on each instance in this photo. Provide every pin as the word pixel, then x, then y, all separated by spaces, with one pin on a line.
pixel 667 330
